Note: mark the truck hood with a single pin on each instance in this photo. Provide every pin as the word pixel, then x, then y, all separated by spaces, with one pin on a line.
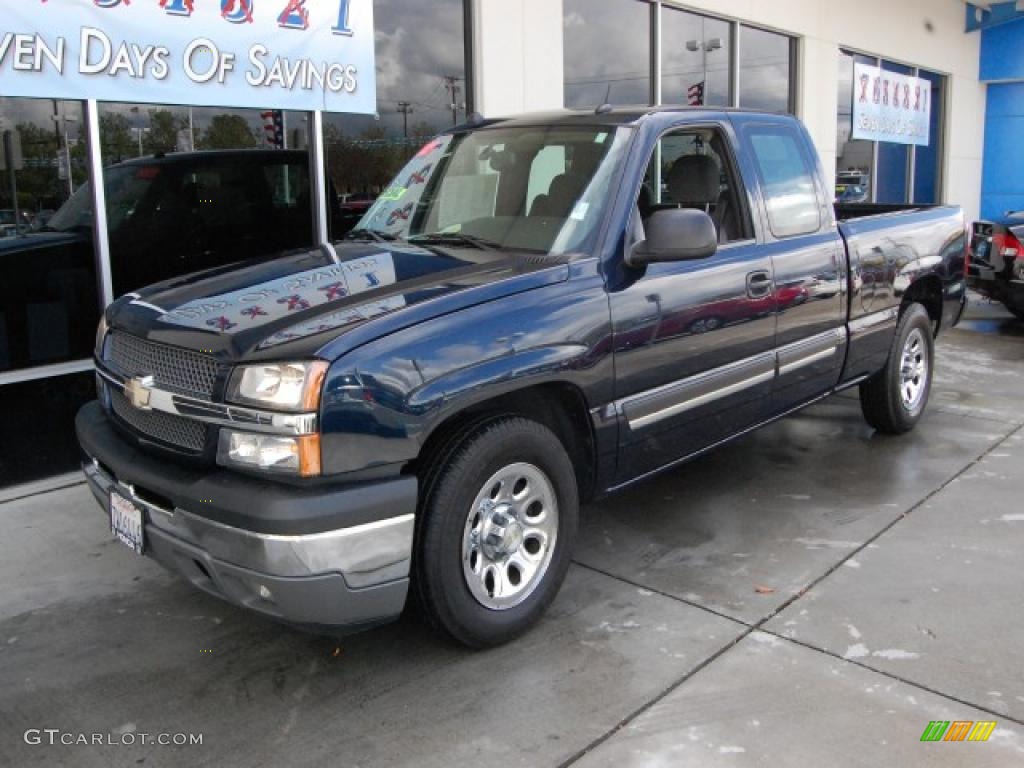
pixel 295 305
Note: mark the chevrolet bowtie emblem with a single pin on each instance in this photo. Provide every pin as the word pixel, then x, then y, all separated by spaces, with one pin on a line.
pixel 138 390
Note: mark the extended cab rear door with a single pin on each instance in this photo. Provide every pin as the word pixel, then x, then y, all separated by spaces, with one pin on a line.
pixel 807 256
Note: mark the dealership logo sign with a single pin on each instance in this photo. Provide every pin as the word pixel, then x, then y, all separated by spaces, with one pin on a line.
pixel 284 54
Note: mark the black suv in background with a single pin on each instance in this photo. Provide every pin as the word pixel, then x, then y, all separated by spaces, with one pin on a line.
pixel 997 261
pixel 167 215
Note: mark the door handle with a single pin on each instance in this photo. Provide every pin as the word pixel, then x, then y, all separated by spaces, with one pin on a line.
pixel 759 284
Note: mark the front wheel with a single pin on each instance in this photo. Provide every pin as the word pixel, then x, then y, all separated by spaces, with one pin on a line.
pixel 894 399
pixel 499 520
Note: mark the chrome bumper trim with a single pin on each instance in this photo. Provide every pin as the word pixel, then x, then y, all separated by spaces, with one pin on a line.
pixel 220 414
pixel 365 555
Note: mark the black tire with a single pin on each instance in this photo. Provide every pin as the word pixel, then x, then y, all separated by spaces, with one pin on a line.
pixel 884 398
pixel 450 488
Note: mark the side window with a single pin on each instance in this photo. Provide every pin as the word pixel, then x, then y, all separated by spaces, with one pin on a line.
pixel 690 168
pixel 787 180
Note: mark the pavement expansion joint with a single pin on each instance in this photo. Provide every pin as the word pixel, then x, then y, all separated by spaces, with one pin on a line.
pixel 759 626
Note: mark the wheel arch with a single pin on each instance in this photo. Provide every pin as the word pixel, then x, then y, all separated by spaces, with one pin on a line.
pixel 559 405
pixel 926 291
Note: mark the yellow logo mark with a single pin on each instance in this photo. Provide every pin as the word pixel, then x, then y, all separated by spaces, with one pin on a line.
pixel 982 730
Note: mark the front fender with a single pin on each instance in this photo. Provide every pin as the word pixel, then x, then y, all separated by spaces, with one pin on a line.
pixel 382 401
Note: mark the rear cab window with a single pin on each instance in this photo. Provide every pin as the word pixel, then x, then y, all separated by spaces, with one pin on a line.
pixel 787 179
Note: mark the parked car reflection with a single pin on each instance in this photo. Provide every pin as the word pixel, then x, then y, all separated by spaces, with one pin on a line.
pixel 167 215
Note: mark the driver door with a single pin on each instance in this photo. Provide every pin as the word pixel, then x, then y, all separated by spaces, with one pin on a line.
pixel 693 340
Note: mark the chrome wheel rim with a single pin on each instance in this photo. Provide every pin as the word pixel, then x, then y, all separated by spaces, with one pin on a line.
pixel 510 535
pixel 913 370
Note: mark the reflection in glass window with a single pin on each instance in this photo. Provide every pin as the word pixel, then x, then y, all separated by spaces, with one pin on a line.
pixel 854 157
pixel 192 189
pixel 694 59
pixel 765 70
pixel 49 294
pixel 421 91
pixel 788 181
pixel 607 52
pixel 49 299
pixel 135 130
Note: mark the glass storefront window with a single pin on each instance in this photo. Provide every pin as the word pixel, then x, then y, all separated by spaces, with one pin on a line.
pixel 880 172
pixel 766 65
pixel 926 159
pixel 854 157
pixel 607 52
pixel 49 292
pixel 893 159
pixel 421 91
pixel 37 428
pixel 695 55
pixel 49 296
pixel 241 194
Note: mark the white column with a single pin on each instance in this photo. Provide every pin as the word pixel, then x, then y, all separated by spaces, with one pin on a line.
pixel 817 101
pixel 518 46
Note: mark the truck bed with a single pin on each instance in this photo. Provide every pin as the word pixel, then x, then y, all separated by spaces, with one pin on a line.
pixel 895 250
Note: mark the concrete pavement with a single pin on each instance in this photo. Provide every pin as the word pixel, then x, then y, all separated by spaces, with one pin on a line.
pixel 812 594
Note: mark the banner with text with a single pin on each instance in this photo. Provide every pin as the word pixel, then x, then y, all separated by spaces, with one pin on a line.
pixel 888 106
pixel 283 54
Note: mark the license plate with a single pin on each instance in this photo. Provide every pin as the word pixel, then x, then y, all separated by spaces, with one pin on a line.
pixel 126 522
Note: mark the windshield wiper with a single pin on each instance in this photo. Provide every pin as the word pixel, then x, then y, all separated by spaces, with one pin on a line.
pixel 456 238
pixel 370 234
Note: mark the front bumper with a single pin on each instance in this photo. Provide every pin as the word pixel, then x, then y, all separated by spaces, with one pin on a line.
pixel 324 557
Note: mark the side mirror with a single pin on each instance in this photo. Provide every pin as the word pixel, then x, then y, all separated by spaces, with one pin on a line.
pixel 675 234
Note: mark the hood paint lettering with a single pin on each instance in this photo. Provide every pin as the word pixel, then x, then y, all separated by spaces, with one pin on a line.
pixel 233 312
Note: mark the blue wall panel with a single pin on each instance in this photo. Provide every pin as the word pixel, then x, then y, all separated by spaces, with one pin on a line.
pixel 1002 186
pixel 1002 52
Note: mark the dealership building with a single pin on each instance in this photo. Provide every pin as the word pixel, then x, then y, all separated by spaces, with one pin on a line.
pixel 960 68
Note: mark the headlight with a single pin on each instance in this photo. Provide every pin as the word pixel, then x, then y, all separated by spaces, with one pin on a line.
pixel 270 453
pixel 284 386
pixel 101 335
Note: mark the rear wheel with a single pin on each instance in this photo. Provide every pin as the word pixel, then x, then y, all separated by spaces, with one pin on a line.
pixel 499 520
pixel 894 399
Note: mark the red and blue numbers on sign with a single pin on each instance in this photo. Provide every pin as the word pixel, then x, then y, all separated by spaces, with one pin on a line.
pixel 293 14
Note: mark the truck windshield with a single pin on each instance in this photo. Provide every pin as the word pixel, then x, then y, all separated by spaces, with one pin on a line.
pixel 536 188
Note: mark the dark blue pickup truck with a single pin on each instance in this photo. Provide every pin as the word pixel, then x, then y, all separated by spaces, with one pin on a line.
pixel 538 311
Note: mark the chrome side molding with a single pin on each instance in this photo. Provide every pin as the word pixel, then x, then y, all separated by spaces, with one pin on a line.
pixel 654 405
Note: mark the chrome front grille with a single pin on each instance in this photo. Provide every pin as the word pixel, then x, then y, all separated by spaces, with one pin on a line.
pixel 175 430
pixel 177 370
